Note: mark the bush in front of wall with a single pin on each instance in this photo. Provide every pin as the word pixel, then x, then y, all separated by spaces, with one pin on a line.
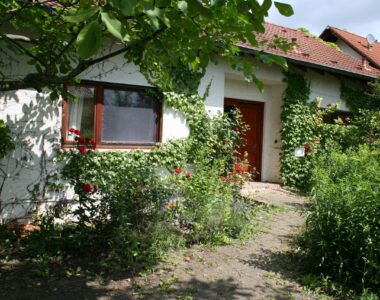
pixel 342 234
pixel 132 206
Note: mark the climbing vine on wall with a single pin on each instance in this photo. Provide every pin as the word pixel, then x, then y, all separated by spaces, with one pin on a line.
pixel 297 131
pixel 6 143
pixel 359 98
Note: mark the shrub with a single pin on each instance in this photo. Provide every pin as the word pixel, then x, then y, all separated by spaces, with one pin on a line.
pixel 342 233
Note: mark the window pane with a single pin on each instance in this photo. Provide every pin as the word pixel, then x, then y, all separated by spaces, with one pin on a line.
pixel 81 113
pixel 128 117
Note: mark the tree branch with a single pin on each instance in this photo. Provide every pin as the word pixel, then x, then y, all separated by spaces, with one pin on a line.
pixel 40 80
pixel 12 14
pixel 22 48
pixel 20 38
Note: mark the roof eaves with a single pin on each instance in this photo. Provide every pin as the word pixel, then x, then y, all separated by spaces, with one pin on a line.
pixel 314 65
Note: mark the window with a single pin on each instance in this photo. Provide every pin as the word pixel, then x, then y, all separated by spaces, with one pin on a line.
pixel 114 116
pixel 343 115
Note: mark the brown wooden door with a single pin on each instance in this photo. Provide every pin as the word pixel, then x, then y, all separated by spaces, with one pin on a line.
pixel 253 115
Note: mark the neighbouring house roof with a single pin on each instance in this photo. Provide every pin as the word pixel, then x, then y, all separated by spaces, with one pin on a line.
pixel 311 52
pixel 356 42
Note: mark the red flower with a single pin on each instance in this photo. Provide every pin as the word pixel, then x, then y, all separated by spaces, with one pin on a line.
pixel 77 131
pixel 238 169
pixel 307 148
pixel 225 142
pixel 92 142
pixel 178 170
pixel 188 175
pixel 72 130
pixel 95 188
pixel 82 149
pixel 86 188
pixel 81 141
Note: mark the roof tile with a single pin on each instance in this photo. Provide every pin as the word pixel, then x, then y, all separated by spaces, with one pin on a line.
pixel 359 44
pixel 310 50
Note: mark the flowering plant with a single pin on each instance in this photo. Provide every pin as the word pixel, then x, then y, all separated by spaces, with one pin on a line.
pixel 84 144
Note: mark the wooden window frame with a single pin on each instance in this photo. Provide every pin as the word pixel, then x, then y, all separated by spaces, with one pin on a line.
pixel 98 114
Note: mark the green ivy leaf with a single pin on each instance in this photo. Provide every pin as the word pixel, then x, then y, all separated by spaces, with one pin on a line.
pixel 113 25
pixel 89 40
pixel 284 9
pixel 80 15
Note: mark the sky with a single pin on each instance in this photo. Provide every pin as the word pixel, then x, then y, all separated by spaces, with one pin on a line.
pixel 357 16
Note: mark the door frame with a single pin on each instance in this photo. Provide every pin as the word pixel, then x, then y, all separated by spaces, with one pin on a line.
pixel 261 107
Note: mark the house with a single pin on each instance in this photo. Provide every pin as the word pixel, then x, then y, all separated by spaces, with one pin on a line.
pixel 40 125
pixel 354 45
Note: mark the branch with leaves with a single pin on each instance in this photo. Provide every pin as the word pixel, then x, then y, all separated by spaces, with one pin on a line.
pixel 62 39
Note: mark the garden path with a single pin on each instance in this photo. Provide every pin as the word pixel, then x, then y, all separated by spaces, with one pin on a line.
pixel 260 268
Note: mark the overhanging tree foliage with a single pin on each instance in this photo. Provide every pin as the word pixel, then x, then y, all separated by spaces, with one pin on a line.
pixel 171 41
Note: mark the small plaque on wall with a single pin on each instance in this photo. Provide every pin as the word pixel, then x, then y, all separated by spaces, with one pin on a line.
pixel 299 152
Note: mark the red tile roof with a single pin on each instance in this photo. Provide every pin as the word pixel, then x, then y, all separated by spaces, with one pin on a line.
pixel 358 43
pixel 310 50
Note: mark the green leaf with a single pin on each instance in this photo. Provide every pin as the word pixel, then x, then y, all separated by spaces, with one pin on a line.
pixel 284 9
pixel 155 14
pixel 114 26
pixel 80 15
pixel 196 7
pixel 89 40
pixel 266 6
pixel 183 6
pixel 126 6
pixel 217 3
pixel 163 3
pixel 278 60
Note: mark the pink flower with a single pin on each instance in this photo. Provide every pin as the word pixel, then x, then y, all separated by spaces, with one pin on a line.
pixel 178 170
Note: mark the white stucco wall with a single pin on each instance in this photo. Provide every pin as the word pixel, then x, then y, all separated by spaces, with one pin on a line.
pixel 326 86
pixel 37 124
pixel 347 49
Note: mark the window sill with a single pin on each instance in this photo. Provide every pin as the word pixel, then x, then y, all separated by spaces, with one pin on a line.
pixel 115 147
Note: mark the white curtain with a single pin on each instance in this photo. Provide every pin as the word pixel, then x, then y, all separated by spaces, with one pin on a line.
pixel 75 110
